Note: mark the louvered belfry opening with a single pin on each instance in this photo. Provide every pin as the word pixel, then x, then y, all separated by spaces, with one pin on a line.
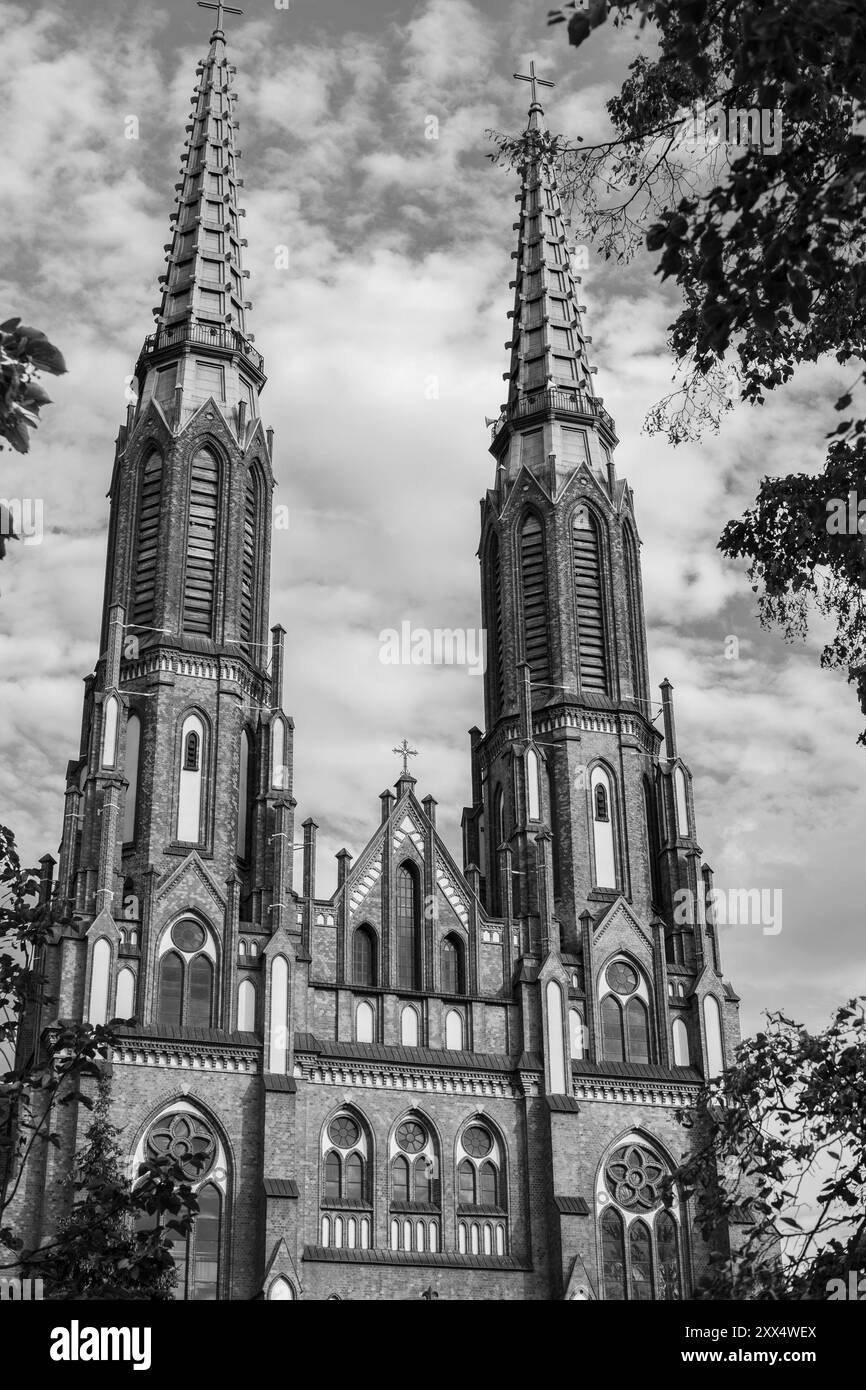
pixel 534 581
pixel 200 581
pixel 634 622
pixel 148 543
pixel 248 575
pixel 592 648
pixel 495 654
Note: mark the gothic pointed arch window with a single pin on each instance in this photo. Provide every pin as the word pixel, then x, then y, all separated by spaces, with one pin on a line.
pixel 278 1037
pixel 346 1209
pixel 246 1007
pixel 414 1209
pixel 603 839
pixel 497 840
pixel 250 559
pixel 624 1007
pixel 533 577
pixel 652 837
pixel 131 766
pixel 110 711
pixel 408 925
pixel 482 1202
pixel 147 543
pixel 186 1137
pixel 637 649
pixel 589 598
pixel 100 976
pixel 170 990
pixel 191 751
pixel 124 1002
pixel 455 1031
pixel 495 651
pixel 713 1030
pixel 186 974
pixel 363 957
pixel 191 780
pixel 200 575
pixel 452 973
pixel 365 1022
pixel 613 1255
pixel 680 1038
pixel 533 785
pixel 640 1240
pixel 556 1059
pixel 682 802
pixel 409 1029
pixel 245 788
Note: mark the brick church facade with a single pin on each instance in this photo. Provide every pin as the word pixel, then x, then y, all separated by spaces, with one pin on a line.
pixel 467 1080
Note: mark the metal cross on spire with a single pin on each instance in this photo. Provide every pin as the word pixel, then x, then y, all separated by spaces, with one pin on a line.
pixel 405 752
pixel 220 8
pixel 539 81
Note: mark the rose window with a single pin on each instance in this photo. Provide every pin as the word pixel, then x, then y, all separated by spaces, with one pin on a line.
pixel 186 1140
pixel 411 1137
pixel 477 1142
pixel 622 977
pixel 634 1178
pixel 343 1132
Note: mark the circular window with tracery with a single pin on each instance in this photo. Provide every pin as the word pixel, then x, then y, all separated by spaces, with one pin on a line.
pixel 622 977
pixel 477 1142
pixel 188 936
pixel 343 1132
pixel 411 1136
pixel 187 1140
pixel 634 1178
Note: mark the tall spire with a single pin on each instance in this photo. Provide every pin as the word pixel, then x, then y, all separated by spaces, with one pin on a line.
pixel 202 346
pixel 549 371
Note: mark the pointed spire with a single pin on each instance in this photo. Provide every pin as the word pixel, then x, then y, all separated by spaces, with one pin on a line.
pixel 549 371
pixel 548 342
pixel 204 287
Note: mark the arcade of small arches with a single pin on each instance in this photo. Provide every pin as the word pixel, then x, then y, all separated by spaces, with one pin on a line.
pixel 476 1221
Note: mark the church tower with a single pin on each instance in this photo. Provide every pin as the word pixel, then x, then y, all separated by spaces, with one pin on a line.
pixel 175 863
pixel 461 1083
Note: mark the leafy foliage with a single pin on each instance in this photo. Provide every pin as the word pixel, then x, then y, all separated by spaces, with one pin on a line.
pixel 798 555
pixel 786 1152
pixel 117 1241
pixel 24 352
pixel 115 1244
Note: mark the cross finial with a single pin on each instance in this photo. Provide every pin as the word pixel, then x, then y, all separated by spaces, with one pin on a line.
pixel 220 8
pixel 534 80
pixel 405 752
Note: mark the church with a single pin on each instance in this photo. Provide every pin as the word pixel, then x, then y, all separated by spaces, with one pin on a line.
pixel 463 1078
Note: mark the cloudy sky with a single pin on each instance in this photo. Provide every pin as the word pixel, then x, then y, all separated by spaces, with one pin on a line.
pixel 384 346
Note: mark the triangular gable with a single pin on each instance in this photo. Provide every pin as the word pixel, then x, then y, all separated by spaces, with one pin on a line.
pixel 584 479
pixel 104 925
pixel 579 1288
pixel 618 912
pixel 211 404
pixel 191 864
pixel 281 1263
pixel 529 481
